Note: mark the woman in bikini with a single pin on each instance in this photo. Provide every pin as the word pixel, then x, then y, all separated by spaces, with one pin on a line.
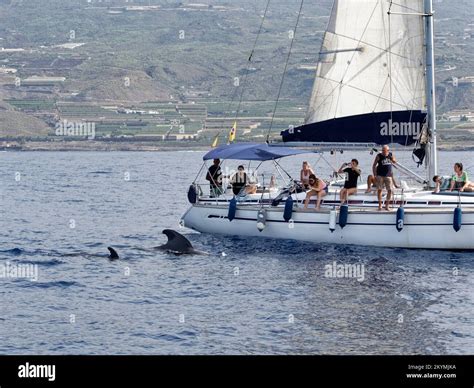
pixel 318 188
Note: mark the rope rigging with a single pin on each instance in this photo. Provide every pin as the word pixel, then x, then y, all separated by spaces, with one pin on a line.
pixel 284 71
pixel 249 61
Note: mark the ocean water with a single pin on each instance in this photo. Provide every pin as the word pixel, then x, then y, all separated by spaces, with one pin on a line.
pixel 60 210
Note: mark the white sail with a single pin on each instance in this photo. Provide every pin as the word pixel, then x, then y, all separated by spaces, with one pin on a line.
pixel 370 61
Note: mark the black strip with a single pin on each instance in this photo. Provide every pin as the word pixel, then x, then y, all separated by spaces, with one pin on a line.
pixel 132 371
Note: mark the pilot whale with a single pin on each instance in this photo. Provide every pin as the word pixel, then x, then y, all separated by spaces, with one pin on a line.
pixel 178 244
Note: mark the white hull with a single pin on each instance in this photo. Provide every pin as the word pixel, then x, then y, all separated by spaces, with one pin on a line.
pixel 423 227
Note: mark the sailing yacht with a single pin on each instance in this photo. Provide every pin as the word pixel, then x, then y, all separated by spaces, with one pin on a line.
pixel 374 85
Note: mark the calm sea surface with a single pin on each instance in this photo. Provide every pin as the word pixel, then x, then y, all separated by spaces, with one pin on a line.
pixel 60 210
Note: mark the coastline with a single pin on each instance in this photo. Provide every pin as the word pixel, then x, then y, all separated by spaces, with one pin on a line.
pixel 90 145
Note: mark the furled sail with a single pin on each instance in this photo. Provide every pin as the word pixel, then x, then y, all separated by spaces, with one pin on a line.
pixel 370 84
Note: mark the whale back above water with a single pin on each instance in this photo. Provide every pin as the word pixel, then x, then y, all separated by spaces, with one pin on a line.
pixel 176 243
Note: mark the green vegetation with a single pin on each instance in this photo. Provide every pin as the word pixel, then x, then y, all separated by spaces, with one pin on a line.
pixel 173 69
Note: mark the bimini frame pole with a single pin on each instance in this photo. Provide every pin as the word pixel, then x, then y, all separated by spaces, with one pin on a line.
pixel 430 90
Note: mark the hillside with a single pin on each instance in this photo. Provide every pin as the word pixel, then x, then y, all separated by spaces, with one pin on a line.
pixel 131 52
pixel 19 124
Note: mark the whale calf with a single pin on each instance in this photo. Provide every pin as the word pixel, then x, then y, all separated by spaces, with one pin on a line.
pixel 178 244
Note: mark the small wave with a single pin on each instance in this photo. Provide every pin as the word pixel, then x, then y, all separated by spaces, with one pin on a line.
pixel 169 337
pixel 187 333
pixel 46 263
pixel 406 297
pixel 143 301
pixel 13 252
pixel 379 261
pixel 60 284
pixel 68 186
pixel 139 237
pixel 101 172
pixel 93 245
pixel 73 254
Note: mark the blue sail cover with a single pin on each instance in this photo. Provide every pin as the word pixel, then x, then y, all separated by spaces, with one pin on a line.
pixel 251 151
pixel 402 127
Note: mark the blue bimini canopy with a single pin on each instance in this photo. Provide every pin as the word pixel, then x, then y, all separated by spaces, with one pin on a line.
pixel 252 151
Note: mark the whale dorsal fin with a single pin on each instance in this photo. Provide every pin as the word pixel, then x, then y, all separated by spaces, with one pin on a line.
pixel 176 241
pixel 113 253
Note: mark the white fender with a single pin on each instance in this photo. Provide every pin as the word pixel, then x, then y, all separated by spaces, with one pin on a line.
pixel 332 220
pixel 261 219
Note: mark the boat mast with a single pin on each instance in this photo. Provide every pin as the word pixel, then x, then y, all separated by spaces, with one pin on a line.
pixel 430 91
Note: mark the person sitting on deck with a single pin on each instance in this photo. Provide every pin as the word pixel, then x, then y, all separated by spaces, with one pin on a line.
pixel 459 180
pixel 372 182
pixel 251 186
pixel 352 172
pixel 272 182
pixel 238 180
pixel 442 183
pixel 305 173
pixel 317 187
